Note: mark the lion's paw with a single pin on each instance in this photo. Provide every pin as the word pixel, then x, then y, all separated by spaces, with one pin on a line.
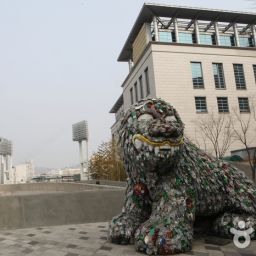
pixel 121 230
pixel 162 240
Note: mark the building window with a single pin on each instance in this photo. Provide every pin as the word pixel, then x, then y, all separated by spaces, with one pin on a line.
pixel 187 38
pixel 246 41
pixel 141 87
pixel 223 104
pixel 201 106
pixel 207 39
pixel 197 75
pixel 165 36
pixel 218 76
pixel 227 40
pixel 147 81
pixel 131 95
pixel 239 76
pixel 254 70
pixel 136 92
pixel 244 105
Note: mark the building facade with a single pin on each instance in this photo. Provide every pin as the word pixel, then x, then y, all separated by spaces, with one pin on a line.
pixel 23 173
pixel 201 61
pixel 6 171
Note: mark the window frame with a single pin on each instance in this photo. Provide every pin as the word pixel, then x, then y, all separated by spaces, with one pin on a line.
pixel 197 86
pixel 254 71
pixel 219 86
pixel 223 111
pixel 238 78
pixel 201 110
pixel 141 87
pixel 248 110
pixel 147 81
pixel 136 91
pixel 131 96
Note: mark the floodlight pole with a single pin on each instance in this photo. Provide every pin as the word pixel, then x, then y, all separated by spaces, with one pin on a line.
pixel 81 158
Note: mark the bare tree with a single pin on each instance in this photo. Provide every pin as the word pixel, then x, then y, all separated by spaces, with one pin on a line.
pixel 244 127
pixel 217 131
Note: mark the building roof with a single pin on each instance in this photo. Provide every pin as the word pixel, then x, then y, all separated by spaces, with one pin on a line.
pixel 148 11
pixel 117 105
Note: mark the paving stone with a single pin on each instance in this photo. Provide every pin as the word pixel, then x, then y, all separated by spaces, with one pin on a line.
pixel 71 246
pixel 63 241
pixel 105 248
pixel 84 238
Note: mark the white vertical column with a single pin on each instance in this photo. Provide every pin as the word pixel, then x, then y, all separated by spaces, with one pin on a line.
pixel 81 158
pixel 1 169
pixel 176 29
pixel 86 160
pixel 236 34
pixel 197 32
pixel 130 63
pixel 156 29
pixel 253 34
pixel 217 33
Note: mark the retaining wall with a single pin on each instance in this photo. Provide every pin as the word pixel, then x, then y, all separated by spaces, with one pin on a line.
pixel 96 204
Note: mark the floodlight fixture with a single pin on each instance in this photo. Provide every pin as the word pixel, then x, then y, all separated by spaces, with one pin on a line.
pixel 80 131
pixel 5 147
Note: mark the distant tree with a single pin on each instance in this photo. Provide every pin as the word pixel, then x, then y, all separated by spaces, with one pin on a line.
pixel 215 131
pixel 106 164
pixel 244 127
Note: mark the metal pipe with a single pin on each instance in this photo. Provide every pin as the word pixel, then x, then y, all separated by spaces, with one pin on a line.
pixel 217 33
pixel 156 29
pixel 197 32
pixel 253 34
pixel 236 34
pixel 176 30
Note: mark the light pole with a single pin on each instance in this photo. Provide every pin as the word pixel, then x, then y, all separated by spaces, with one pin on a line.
pixel 80 134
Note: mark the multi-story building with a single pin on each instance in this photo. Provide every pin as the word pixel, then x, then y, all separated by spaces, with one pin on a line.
pixel 202 61
pixel 6 174
pixel 23 173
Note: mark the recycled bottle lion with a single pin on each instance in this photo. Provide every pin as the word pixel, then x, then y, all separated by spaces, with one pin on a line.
pixel 171 183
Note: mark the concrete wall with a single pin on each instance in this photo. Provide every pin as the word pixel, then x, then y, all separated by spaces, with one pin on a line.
pixel 141 42
pixel 95 205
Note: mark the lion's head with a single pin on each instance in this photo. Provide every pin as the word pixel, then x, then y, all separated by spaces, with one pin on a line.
pixel 151 133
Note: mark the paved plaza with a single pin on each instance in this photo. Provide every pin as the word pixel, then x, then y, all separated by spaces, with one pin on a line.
pixel 91 239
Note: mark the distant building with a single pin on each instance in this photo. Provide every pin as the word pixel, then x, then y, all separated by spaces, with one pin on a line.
pixel 199 60
pixel 23 173
pixel 6 175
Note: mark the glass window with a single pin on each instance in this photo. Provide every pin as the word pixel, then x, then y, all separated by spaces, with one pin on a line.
pixel 254 71
pixel 227 40
pixel 186 38
pixel 218 76
pixel 206 39
pixel 244 105
pixel 147 81
pixel 197 75
pixel 223 104
pixel 165 36
pixel 136 92
pixel 239 76
pixel 131 95
pixel 141 87
pixel 246 41
pixel 200 104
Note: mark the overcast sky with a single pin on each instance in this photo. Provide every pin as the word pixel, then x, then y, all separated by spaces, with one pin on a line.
pixel 58 66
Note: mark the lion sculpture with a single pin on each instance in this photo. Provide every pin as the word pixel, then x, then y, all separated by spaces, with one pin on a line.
pixel 171 183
